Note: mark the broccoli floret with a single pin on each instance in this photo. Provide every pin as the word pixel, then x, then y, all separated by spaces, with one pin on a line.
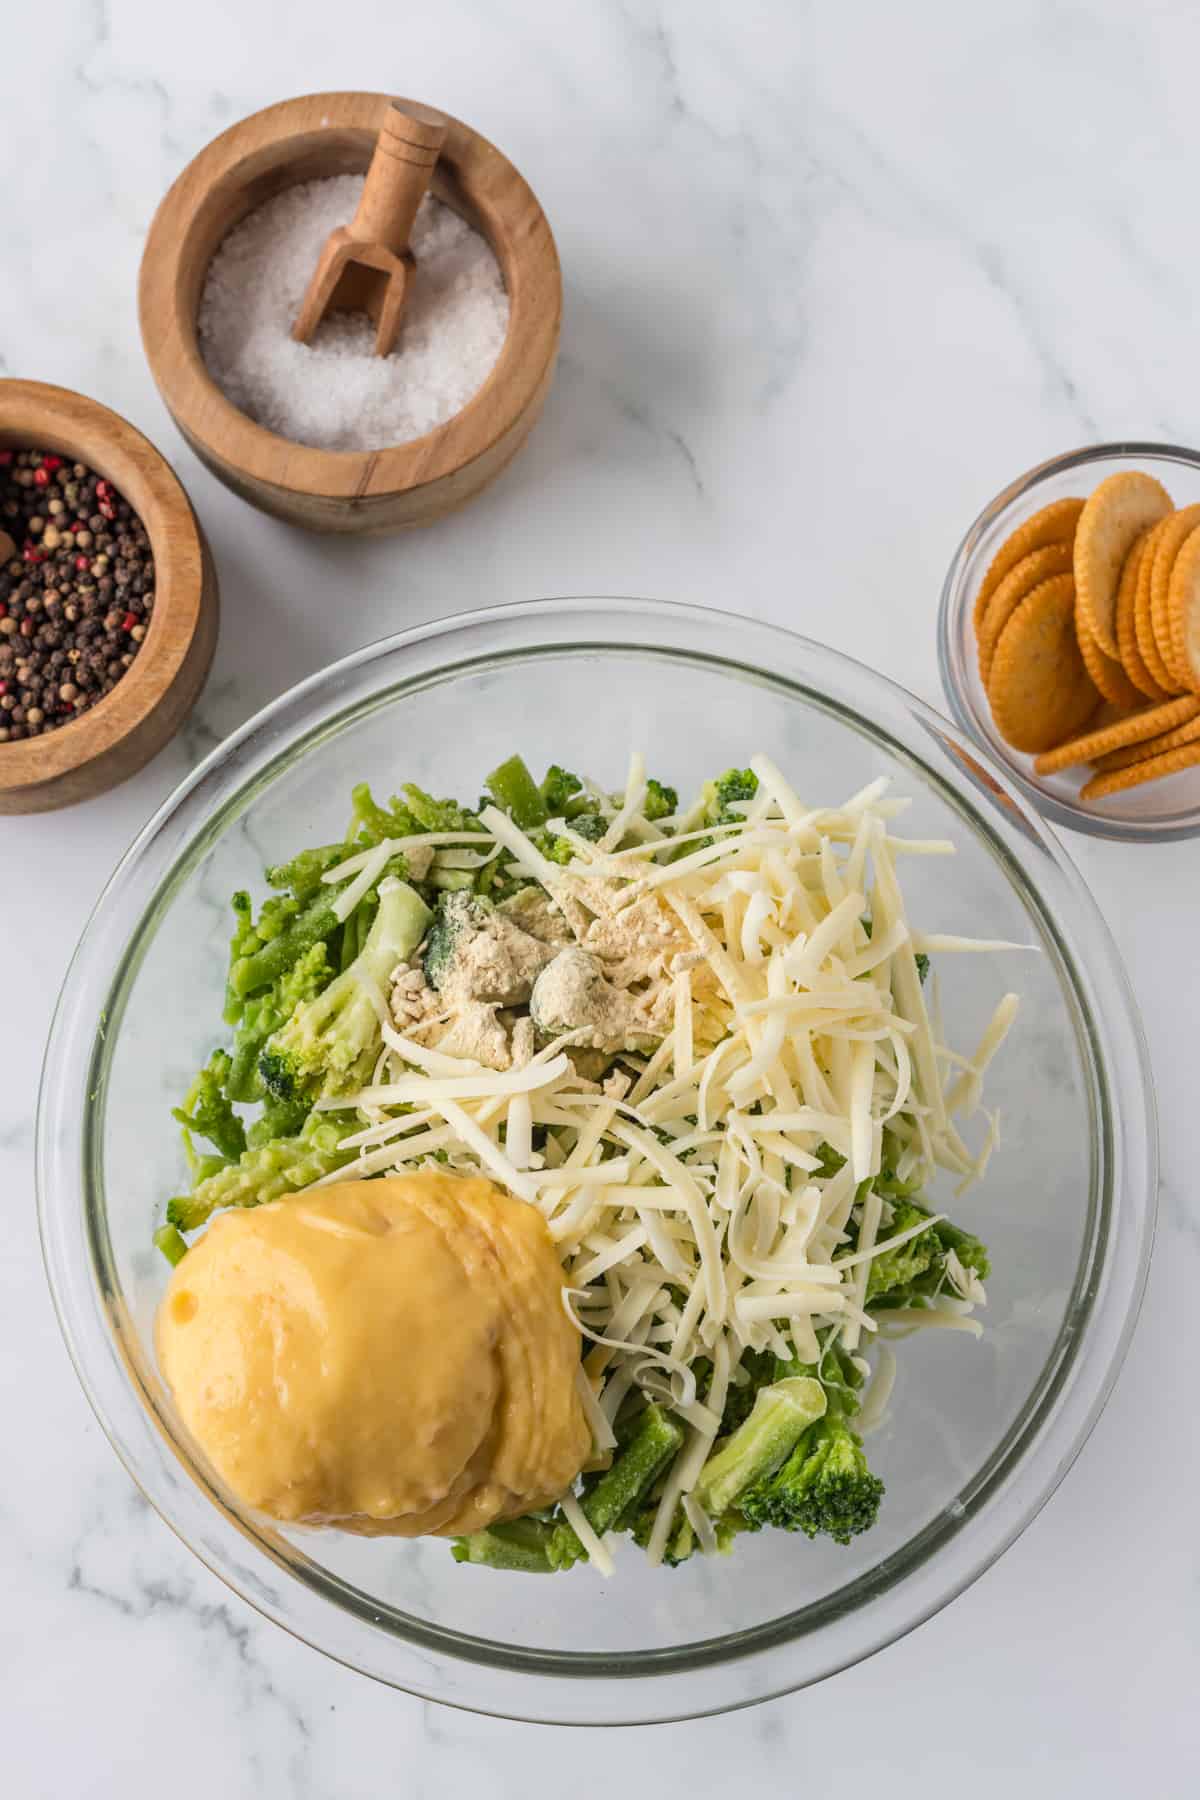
pixel 302 874
pixel 457 915
pixel 515 792
pixel 322 1045
pixel 519 1545
pixel 720 796
pixel 824 1486
pixel 922 962
pixel 264 966
pixel 661 801
pixel 681 1539
pixel 260 1175
pixel 207 1112
pixel 278 1119
pixel 900 1267
pixel 655 1441
pixel 265 1014
pixel 436 815
pixel 244 942
pixel 916 1272
pixel 559 788
pixel 371 823
pixel 766 1439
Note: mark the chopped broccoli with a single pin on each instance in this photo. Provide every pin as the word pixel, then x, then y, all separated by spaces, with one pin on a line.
pixel 900 1267
pixel 759 1445
pixel 244 943
pixel 824 1486
pixel 916 1272
pixel 661 801
pixel 559 789
pixel 281 1167
pixel 721 796
pixel 458 914
pixel 276 915
pixel 656 1439
pixel 263 967
pixel 922 962
pixel 206 1109
pixel 521 1545
pixel 265 1014
pixel 171 1243
pixel 515 792
pixel 324 1042
pixel 437 815
pixel 371 823
pixel 278 1119
pixel 302 874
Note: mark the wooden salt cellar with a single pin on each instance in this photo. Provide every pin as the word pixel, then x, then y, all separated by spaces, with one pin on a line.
pixel 121 732
pixel 348 491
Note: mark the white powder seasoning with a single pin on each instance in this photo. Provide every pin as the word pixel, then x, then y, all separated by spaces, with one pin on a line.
pixel 334 393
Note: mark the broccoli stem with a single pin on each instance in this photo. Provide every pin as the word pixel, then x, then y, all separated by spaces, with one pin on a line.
pixel 521 1545
pixel 265 966
pixel 172 1244
pixel 655 1442
pixel 302 874
pixel 782 1412
pixel 515 792
pixel 207 1112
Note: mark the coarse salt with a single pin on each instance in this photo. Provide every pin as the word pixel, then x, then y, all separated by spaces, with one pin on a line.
pixel 334 393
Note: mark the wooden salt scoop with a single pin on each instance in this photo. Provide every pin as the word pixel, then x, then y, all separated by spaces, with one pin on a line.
pixel 366 266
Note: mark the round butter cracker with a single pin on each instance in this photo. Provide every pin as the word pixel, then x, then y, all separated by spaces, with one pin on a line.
pixel 1054 524
pixel 1153 769
pixel 1040 690
pixel 1167 547
pixel 1018 584
pixel 1112 520
pixel 1143 617
pixel 1151 722
pixel 1183 611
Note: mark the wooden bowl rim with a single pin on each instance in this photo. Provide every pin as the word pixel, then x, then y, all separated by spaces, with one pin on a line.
pixel 36 415
pixel 222 431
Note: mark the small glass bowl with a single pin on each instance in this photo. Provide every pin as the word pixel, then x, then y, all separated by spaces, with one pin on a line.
pixel 1161 810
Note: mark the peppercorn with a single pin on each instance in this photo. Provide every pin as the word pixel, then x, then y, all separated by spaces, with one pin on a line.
pixel 73 597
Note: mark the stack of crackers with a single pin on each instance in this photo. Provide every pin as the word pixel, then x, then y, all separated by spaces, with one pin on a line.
pixel 1088 626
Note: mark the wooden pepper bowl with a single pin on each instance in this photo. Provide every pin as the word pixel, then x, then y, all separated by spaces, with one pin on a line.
pixel 369 491
pixel 114 738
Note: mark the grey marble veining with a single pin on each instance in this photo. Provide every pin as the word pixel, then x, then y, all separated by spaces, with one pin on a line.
pixel 834 275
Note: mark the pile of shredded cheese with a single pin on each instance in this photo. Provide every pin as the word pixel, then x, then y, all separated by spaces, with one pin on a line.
pixel 686 1194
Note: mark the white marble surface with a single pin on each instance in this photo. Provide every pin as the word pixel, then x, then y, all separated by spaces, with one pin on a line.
pixel 834 274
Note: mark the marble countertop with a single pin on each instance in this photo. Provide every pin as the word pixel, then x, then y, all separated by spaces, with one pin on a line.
pixel 833 276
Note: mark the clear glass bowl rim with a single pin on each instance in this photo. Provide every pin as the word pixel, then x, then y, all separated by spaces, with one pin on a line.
pixel 780 1655
pixel 953 658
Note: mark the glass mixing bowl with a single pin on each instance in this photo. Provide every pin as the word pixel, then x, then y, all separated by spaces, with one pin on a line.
pixel 978 1433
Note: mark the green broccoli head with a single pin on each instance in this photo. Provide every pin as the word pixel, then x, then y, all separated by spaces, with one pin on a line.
pixel 559 788
pixel 371 823
pixel 661 801
pixel 436 815
pixel 901 1267
pixel 916 1272
pixel 206 1109
pixel 823 1489
pixel 325 1045
pixel 302 874
pixel 281 1167
pixel 720 796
